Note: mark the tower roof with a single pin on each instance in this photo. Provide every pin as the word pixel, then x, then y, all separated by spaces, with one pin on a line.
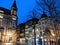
pixel 44 15
pixel 14 5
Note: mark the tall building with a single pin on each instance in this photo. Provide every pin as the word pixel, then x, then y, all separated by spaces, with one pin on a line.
pixel 57 24
pixel 14 14
pixel 3 20
pixel 31 33
pixel 49 29
pixel 46 22
pixel 8 24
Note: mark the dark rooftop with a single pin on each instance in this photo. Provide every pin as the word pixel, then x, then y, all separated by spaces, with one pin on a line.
pixel 44 15
pixel 14 5
pixel 5 11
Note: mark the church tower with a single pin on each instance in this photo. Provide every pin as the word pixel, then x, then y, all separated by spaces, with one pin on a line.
pixel 14 15
pixel 14 8
pixel 13 23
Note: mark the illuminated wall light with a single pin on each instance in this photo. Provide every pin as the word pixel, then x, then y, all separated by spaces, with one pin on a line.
pixel 53 34
pixel 9 34
pixel 31 35
pixel 1 16
pixel 37 35
pixel 1 11
pixel 14 18
pixel 37 30
pixel 45 39
pixel 27 32
pixel 21 34
pixel 26 26
pixel 8 44
pixel 41 37
pixel 22 40
pixel 33 30
pixel 37 39
pixel 4 33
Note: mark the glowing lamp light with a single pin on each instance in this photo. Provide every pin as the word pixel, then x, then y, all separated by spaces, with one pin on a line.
pixel 41 37
pixel 8 44
pixel 27 32
pixel 33 30
pixel 9 34
pixel 1 16
pixel 37 30
pixel 45 39
pixel 53 34
pixel 4 33
pixel 37 39
pixel 14 18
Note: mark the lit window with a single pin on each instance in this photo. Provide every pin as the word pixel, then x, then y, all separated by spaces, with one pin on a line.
pixel 14 12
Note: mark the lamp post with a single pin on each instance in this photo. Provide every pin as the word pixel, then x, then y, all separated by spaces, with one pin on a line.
pixel 34 23
pixel 33 14
pixel 34 33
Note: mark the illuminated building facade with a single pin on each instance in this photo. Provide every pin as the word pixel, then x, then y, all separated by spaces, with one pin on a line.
pixel 8 22
pixel 57 25
pixel 49 27
pixel 31 33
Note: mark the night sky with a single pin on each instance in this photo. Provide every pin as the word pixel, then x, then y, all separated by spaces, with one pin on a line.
pixel 24 7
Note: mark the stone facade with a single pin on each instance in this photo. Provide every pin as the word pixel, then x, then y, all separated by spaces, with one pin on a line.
pixel 8 23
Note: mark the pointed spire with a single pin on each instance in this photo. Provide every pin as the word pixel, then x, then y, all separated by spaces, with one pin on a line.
pixel 14 5
pixel 44 15
pixel 14 8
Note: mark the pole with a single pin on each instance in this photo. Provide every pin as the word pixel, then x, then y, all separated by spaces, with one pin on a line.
pixel 34 33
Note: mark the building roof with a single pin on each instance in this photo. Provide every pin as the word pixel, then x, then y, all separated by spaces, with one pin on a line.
pixel 5 11
pixel 14 5
pixel 44 15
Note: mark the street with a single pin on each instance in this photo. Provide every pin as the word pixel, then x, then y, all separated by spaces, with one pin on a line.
pixel 10 44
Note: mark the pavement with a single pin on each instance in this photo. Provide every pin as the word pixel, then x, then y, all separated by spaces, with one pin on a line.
pixel 10 44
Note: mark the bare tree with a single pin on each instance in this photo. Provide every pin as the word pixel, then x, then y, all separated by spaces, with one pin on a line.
pixel 32 15
pixel 51 6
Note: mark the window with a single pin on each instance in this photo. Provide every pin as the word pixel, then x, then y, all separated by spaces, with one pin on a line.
pixel 45 22
pixel 40 28
pixel 42 22
pixel 14 25
pixel 10 39
pixel 0 22
pixel 39 23
pixel 40 33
